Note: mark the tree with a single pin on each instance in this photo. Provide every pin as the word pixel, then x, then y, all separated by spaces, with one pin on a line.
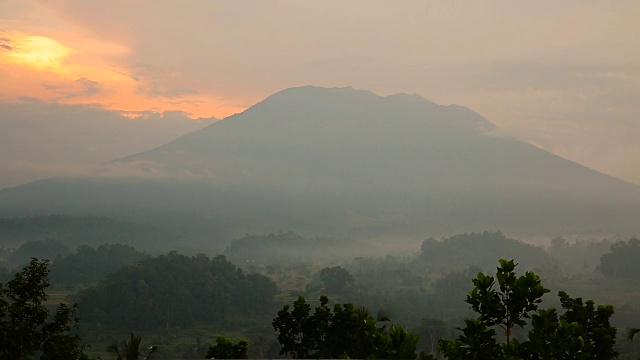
pixel 226 349
pixel 175 290
pixel 336 279
pixel 582 332
pixel 622 260
pixel 130 349
pixel 47 248
pixel 348 331
pixel 595 329
pixel 25 327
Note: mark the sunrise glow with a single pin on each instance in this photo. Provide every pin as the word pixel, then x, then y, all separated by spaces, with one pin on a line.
pixel 40 52
pixel 90 72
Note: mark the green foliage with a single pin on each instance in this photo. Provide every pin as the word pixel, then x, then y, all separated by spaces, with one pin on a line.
pixel 553 338
pixel 41 249
pixel 284 247
pixel 175 290
pixel 598 334
pixel 514 300
pixel 479 249
pixel 582 332
pixel 131 349
pixel 225 348
pixel 336 279
pixel 623 260
pixel 25 326
pixel 347 332
pixel 476 342
pixel 88 265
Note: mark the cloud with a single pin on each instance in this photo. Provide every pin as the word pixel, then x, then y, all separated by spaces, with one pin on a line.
pixel 41 139
pixel 157 82
pixel 82 87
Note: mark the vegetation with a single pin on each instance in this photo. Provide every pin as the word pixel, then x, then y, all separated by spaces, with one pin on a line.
pixel 131 349
pixel 225 348
pixel 26 327
pixel 480 250
pixel 582 332
pixel 175 290
pixel 284 247
pixel 622 260
pixel 40 249
pixel 178 302
pixel 347 332
pixel 336 279
pixel 88 265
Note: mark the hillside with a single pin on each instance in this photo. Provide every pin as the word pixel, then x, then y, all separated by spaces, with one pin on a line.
pixel 83 230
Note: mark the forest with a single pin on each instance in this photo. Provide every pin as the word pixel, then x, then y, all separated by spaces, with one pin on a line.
pixel 264 293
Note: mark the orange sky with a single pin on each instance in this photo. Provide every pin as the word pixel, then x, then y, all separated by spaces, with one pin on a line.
pixel 74 71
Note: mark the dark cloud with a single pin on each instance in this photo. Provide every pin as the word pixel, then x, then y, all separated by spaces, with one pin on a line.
pixel 82 87
pixel 90 87
pixel 6 43
pixel 52 87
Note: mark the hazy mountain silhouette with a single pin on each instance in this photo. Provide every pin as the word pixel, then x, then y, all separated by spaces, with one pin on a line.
pixel 350 163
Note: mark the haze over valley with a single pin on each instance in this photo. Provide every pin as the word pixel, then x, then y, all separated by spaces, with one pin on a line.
pixel 343 162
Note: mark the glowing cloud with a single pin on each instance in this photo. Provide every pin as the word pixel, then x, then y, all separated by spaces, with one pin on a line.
pixel 38 51
pixel 95 72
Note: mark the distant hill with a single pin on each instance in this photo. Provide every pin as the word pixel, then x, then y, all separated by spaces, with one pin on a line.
pixel 346 163
pixel 83 230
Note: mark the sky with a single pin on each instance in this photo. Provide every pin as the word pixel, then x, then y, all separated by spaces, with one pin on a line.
pixel 562 75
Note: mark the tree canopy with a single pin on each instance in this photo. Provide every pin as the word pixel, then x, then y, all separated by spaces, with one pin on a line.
pixel 622 260
pixel 26 327
pixel 225 348
pixel 336 279
pixel 349 331
pixel 481 250
pixel 89 265
pixel 508 301
pixel 175 290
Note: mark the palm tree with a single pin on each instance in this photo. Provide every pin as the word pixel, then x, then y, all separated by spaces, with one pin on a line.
pixel 632 332
pixel 130 349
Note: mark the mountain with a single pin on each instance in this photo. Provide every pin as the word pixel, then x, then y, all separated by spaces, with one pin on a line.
pixel 344 162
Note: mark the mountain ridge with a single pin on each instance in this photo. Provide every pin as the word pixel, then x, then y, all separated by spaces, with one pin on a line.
pixel 344 162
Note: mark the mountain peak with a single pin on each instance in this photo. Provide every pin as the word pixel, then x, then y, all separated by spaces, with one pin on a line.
pixel 313 103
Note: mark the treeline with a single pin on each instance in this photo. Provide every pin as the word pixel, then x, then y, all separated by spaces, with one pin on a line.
pixel 72 269
pixel 84 230
pixel 175 290
pixel 256 250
